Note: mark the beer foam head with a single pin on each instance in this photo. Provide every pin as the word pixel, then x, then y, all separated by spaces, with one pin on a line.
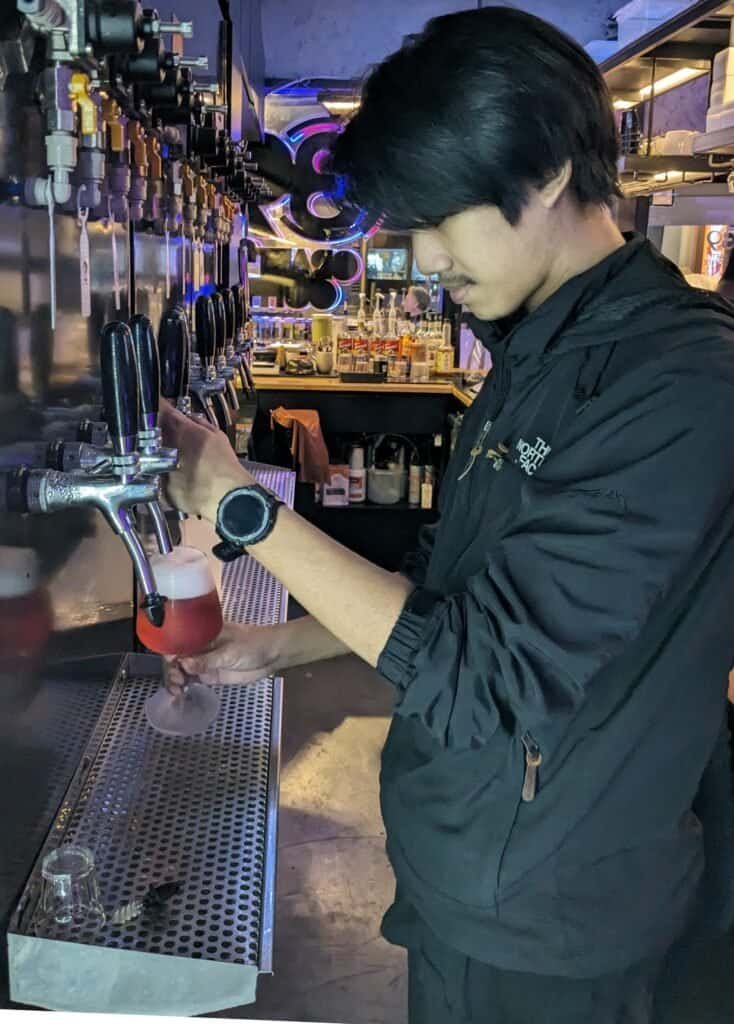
pixel 18 571
pixel 182 574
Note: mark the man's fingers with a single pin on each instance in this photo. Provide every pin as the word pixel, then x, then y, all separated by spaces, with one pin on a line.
pixel 230 677
pixel 174 679
pixel 204 664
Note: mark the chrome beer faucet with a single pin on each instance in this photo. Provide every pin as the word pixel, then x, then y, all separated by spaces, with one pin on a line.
pixel 113 485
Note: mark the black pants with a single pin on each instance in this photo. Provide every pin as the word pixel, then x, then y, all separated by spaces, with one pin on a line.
pixel 446 987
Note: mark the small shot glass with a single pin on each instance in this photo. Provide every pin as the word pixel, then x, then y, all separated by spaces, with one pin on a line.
pixel 70 893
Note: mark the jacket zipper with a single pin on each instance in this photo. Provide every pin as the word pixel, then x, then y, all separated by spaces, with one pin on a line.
pixel 476 450
pixel 533 761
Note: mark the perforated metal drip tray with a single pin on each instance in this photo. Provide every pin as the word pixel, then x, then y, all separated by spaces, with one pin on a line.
pixel 201 812
pixel 155 809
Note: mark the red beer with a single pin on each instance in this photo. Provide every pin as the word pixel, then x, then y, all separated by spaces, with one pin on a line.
pixel 193 615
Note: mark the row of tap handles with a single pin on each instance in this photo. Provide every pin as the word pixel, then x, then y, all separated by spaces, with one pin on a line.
pixel 196 374
pixel 130 134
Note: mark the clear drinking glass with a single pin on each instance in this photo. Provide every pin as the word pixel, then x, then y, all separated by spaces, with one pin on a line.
pixel 70 891
pixel 193 619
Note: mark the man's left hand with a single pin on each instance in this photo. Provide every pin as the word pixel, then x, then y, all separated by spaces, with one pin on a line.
pixel 208 467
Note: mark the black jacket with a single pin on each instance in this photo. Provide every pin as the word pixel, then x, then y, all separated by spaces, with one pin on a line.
pixel 561 667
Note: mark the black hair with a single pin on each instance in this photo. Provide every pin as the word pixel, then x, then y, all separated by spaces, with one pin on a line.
pixel 481 107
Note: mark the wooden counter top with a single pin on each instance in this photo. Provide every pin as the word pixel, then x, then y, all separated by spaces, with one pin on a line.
pixel 334 384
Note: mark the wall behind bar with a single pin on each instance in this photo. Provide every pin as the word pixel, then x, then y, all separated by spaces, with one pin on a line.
pixel 341 38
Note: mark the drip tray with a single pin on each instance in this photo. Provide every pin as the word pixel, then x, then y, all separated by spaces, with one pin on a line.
pixel 201 812
pixel 157 809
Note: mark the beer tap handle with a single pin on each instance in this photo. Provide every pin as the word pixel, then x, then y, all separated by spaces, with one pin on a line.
pixel 149 437
pixel 120 392
pixel 205 328
pixel 237 292
pixel 220 324
pixel 149 372
pixel 230 314
pixel 173 351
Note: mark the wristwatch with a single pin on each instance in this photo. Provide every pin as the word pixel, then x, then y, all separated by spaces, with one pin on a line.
pixel 245 516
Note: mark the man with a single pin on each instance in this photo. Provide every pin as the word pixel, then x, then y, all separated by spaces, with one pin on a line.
pixel 560 644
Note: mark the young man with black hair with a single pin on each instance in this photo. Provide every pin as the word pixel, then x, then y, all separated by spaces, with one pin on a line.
pixel 560 643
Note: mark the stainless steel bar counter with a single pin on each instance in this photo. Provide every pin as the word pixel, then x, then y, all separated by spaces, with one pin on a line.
pixel 200 811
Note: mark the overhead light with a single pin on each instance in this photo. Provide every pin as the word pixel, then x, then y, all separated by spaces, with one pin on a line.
pixel 672 81
pixel 341 106
pixel 624 104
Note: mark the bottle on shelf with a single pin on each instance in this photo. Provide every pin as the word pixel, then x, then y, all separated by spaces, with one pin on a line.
pixel 392 315
pixel 427 487
pixel 357 475
pixel 415 480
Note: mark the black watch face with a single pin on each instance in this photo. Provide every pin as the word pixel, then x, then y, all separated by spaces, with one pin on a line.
pixel 245 515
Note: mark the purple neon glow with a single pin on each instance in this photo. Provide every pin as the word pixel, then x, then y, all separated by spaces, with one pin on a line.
pixel 312 204
pixel 320 162
pixel 321 128
pixel 360 268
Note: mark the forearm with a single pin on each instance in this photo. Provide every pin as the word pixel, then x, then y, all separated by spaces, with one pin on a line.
pixel 303 641
pixel 354 600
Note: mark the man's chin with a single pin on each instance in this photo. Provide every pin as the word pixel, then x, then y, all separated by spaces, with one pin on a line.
pixel 482 311
pixel 487 310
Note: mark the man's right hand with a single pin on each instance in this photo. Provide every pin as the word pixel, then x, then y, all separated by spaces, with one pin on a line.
pixel 246 654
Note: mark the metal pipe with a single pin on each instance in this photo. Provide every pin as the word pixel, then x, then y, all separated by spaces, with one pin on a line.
pixel 176 28
pixel 163 536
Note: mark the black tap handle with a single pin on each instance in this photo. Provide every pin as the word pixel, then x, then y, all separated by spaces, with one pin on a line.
pixel 120 386
pixel 186 350
pixel 173 351
pixel 230 309
pixel 220 321
pixel 205 327
pixel 238 295
pixel 149 370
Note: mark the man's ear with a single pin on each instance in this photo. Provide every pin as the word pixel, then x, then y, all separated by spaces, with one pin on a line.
pixel 555 188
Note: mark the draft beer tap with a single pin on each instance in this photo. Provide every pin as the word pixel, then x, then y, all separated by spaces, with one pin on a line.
pixel 204 382
pixel 154 458
pixel 118 487
pixel 225 372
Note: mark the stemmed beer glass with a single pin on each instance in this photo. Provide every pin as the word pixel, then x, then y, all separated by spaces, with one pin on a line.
pixel 193 619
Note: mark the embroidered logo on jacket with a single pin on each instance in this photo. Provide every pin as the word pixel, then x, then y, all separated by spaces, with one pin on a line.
pixel 532 457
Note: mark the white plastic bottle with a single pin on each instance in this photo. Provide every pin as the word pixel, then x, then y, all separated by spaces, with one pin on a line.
pixel 357 476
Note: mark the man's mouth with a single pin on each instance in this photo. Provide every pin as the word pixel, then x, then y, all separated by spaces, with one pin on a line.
pixel 459 292
pixel 457 289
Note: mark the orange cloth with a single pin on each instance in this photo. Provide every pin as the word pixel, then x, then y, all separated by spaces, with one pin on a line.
pixel 308 447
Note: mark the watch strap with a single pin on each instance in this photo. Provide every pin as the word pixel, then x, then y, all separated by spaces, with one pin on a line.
pixel 225 551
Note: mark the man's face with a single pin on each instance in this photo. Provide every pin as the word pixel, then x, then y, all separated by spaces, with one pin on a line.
pixel 490 266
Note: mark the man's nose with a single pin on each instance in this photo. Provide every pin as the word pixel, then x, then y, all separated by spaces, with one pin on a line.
pixel 430 254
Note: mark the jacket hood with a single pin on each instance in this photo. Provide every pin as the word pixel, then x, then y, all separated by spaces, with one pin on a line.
pixel 625 289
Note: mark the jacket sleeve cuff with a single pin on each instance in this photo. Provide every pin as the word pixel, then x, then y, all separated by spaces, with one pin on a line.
pixel 396 661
